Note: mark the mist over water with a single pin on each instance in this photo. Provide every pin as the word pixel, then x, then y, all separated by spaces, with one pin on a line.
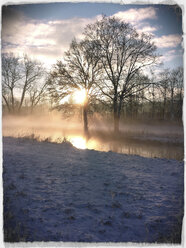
pixel 163 141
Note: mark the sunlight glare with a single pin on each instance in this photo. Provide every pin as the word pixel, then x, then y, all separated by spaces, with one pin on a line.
pixel 79 142
pixel 79 96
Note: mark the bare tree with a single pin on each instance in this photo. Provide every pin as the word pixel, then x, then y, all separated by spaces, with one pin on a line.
pixel 11 76
pixel 164 86
pixel 171 88
pixel 153 93
pixel 37 94
pixel 180 89
pixel 32 72
pixel 20 75
pixel 175 86
pixel 79 71
pixel 123 53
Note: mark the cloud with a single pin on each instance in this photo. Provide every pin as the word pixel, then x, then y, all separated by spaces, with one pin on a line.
pixel 171 55
pixel 148 29
pixel 168 41
pixel 45 40
pixel 145 27
pixel 136 15
pixel 48 40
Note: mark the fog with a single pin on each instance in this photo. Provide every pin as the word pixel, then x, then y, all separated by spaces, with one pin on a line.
pixel 145 139
pixel 54 126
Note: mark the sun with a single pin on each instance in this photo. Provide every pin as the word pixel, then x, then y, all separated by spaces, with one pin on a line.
pixel 79 96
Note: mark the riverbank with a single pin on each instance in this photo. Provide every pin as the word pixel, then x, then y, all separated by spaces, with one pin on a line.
pixel 55 192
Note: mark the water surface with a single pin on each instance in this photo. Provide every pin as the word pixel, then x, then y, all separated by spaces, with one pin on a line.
pixel 143 146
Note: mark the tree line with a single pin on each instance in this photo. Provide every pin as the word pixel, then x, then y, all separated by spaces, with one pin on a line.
pixel 22 82
pixel 109 65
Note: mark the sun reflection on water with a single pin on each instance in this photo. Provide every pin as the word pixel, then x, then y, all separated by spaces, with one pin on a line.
pixel 78 141
pixel 58 135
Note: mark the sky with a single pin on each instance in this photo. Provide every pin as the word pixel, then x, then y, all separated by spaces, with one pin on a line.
pixel 44 31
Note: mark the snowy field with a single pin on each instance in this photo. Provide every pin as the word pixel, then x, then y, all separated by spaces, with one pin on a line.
pixel 55 192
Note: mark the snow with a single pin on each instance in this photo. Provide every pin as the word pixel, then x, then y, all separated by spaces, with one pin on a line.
pixel 55 192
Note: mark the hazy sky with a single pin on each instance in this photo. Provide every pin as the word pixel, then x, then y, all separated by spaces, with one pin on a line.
pixel 44 31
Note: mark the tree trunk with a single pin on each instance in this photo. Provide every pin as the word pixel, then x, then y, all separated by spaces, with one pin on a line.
pixel 22 98
pixel 116 117
pixel 85 119
pixel 116 124
pixel 118 114
pixel 172 104
pixel 164 109
pixel 164 104
pixel 31 108
pixel 12 99
pixel 7 104
pixel 180 105
pixel 153 102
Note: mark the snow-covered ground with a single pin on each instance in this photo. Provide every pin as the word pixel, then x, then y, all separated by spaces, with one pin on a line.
pixel 55 192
